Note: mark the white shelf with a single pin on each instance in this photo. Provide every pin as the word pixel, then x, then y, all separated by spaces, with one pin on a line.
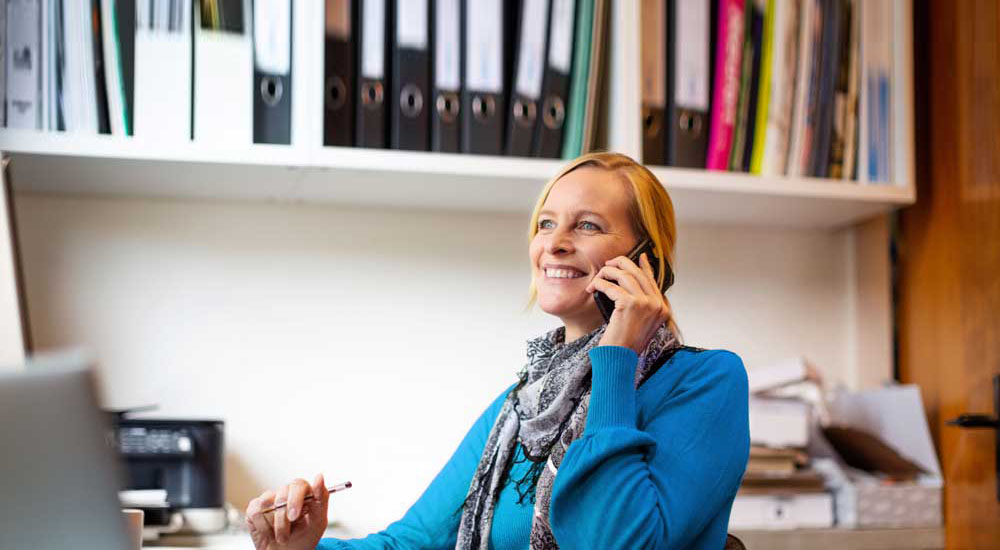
pixel 105 165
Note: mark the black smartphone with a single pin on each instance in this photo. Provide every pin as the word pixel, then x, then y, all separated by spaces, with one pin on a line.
pixel 607 305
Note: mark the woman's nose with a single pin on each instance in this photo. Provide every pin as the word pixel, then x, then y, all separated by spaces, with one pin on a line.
pixel 559 241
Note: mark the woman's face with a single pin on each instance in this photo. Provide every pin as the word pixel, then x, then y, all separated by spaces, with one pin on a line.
pixel 583 223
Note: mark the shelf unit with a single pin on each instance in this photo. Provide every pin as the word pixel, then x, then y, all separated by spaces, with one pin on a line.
pixel 48 162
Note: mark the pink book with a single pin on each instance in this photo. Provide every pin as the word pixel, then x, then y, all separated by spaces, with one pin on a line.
pixel 725 96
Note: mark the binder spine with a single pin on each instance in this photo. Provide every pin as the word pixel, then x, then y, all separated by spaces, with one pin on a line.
pixel 445 110
pixel 411 74
pixel 529 72
pixel 483 108
pixel 272 104
pixel 338 74
pixel 372 83
pixel 555 86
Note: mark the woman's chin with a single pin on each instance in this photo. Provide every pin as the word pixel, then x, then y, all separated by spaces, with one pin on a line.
pixel 563 306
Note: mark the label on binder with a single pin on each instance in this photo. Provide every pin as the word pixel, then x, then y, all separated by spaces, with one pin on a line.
pixel 411 24
pixel 373 39
pixel 531 54
pixel 691 54
pixel 561 39
pixel 447 45
pixel 338 19
pixel 484 46
pixel 272 35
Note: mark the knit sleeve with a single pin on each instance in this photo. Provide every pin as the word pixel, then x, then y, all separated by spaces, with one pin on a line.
pixel 659 486
pixel 432 522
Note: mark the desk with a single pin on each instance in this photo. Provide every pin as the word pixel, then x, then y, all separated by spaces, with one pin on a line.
pixel 837 539
pixel 814 539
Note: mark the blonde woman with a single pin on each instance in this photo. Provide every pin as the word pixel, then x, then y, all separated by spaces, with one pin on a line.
pixel 614 434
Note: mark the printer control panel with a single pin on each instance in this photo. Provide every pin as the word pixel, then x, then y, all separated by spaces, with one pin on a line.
pixel 142 441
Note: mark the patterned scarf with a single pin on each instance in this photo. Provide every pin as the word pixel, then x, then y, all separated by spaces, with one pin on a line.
pixel 545 412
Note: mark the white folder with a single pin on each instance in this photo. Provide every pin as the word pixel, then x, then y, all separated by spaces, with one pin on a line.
pixel 163 70
pixel 223 78
pixel 23 71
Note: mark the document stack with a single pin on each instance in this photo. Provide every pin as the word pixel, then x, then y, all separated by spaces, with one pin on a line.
pixel 772 87
pixel 496 77
pixel 780 489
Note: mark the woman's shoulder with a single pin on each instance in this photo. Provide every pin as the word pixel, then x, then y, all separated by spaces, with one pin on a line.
pixel 689 367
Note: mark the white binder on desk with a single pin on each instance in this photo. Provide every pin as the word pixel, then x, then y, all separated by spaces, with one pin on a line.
pixel 163 70
pixel 223 73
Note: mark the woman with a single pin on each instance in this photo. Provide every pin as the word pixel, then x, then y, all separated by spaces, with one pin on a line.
pixel 614 436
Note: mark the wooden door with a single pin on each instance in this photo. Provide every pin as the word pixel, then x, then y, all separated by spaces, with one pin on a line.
pixel 948 301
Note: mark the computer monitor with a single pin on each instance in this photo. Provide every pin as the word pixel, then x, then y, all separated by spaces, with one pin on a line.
pixel 59 474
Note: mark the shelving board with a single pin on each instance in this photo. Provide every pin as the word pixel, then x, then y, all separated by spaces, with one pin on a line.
pixel 113 166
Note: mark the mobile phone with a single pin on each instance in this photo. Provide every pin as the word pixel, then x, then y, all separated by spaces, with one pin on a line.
pixel 607 305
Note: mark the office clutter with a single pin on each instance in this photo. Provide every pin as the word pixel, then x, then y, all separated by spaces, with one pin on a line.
pixel 771 87
pixel 514 77
pixel 846 459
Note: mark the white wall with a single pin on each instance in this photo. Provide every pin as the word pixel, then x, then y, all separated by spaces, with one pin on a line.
pixel 363 343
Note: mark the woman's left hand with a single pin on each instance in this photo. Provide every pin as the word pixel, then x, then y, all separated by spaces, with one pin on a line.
pixel 640 308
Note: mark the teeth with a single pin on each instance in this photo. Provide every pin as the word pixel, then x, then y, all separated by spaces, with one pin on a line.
pixel 562 274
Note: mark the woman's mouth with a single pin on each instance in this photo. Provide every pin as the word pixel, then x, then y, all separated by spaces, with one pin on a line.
pixel 561 273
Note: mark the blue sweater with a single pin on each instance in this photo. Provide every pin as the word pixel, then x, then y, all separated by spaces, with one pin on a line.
pixel 656 467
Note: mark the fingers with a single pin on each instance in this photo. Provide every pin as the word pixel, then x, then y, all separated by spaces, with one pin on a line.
pixel 297 491
pixel 320 494
pixel 259 523
pixel 282 527
pixel 615 292
pixel 643 272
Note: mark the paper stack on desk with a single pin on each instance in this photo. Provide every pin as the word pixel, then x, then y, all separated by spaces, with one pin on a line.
pixel 780 490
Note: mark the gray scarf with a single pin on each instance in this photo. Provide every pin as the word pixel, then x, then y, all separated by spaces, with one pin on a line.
pixel 545 412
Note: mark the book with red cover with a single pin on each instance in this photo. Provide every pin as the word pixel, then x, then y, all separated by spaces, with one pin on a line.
pixel 725 95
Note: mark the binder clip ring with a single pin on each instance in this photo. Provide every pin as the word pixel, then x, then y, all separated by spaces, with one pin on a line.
pixel 371 94
pixel 483 107
pixel 524 113
pixel 689 122
pixel 336 93
pixel 553 112
pixel 651 122
pixel 271 90
pixel 411 101
pixel 447 105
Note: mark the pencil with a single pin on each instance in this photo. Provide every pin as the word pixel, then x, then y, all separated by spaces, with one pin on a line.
pixel 333 489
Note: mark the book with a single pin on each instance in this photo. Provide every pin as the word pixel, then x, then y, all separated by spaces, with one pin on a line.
pixel 576 108
pixel 850 165
pixel 783 86
pixel 793 166
pixel 739 158
pixel 877 98
pixel 763 89
pixel 726 82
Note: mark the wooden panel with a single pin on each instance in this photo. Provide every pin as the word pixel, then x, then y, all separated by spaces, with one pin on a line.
pixel 949 271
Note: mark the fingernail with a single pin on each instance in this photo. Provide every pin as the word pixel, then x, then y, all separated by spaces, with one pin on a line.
pixel 292 514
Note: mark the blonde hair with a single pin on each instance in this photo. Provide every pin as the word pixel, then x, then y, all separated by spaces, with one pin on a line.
pixel 651 210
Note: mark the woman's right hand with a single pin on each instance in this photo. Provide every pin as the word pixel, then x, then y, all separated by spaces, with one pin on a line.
pixel 297 526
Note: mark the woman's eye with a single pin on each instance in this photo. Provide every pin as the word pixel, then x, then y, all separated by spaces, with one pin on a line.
pixel 544 224
pixel 590 226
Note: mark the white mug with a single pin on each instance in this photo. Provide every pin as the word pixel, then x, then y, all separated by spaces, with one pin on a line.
pixel 133 522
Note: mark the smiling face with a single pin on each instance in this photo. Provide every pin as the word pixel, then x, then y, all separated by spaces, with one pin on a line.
pixel 583 223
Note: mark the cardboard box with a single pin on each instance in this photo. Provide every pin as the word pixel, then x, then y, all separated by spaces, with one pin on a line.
pixel 894 414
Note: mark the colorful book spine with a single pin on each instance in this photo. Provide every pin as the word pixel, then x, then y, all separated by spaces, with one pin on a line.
pixel 577 105
pixel 785 53
pixel 725 96
pixel 764 91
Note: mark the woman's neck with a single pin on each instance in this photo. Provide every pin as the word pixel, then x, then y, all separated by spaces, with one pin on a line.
pixel 578 329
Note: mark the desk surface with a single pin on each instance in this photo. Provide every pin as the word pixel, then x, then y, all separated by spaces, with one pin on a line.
pixel 817 539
